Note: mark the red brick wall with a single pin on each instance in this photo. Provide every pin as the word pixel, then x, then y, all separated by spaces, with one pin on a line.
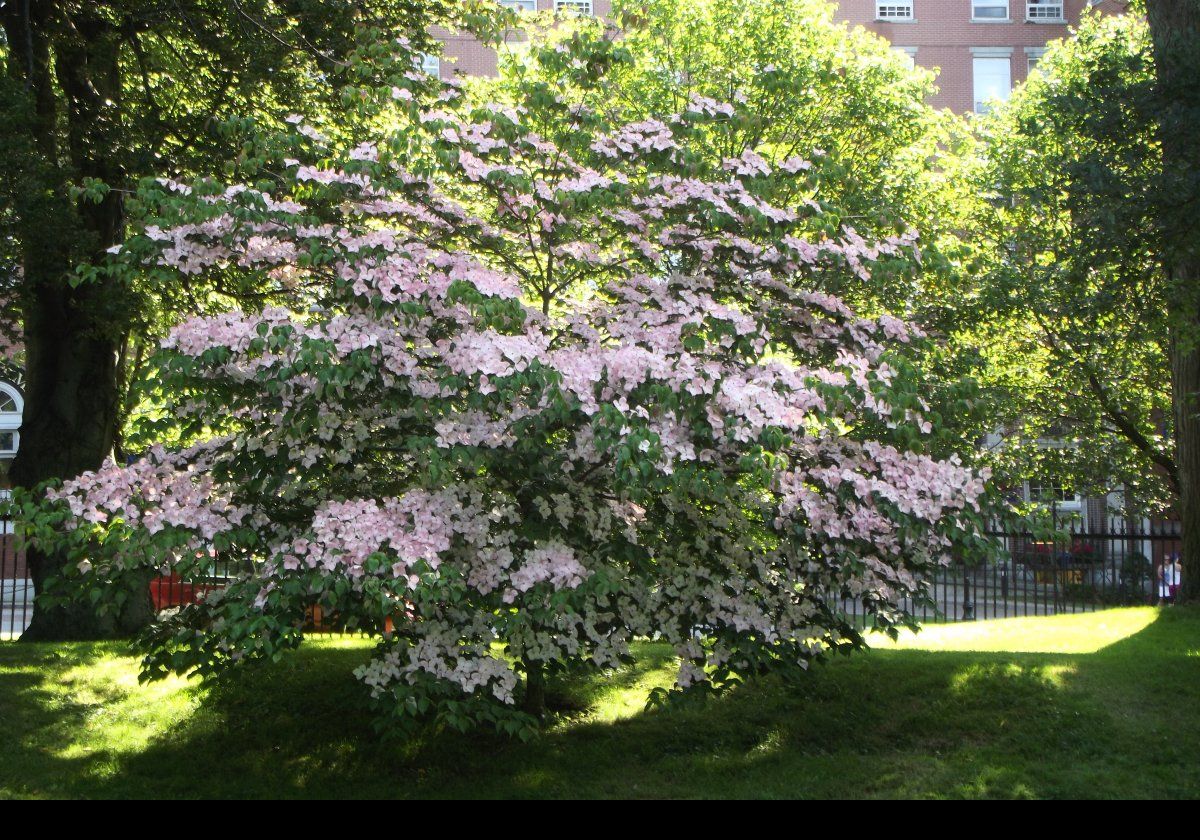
pixel 944 34
pixel 466 56
pixel 12 562
pixel 9 332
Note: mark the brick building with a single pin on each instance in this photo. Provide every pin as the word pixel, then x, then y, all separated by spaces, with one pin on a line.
pixel 980 48
pixel 463 54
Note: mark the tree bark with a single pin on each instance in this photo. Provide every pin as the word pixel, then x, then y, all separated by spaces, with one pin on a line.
pixel 68 69
pixel 1185 383
pixel 1175 31
pixel 534 701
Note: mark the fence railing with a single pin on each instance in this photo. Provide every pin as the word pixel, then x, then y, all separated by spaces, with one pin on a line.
pixel 16 589
pixel 1073 570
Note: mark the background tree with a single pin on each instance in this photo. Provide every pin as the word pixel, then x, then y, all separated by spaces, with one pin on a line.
pixel 1175 30
pixel 95 96
pixel 805 84
pixel 1087 304
pixel 1066 310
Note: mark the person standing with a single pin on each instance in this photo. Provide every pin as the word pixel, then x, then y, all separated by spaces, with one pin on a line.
pixel 1174 574
pixel 1168 579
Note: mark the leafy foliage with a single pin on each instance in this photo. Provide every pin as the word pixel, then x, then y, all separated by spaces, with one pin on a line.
pixel 1068 305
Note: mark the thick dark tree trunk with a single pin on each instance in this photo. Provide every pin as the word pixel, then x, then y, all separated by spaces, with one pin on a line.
pixel 70 415
pixel 64 70
pixel 1175 30
pixel 1185 380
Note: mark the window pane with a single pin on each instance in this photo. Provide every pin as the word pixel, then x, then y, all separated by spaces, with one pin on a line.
pixel 1051 11
pixel 993 81
pixel 1047 491
pixel 579 7
pixel 430 64
pixel 987 11
pixel 894 11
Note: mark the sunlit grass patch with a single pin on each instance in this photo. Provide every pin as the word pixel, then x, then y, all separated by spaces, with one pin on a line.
pixel 1078 633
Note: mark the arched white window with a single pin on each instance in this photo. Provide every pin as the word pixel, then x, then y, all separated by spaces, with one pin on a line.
pixel 11 406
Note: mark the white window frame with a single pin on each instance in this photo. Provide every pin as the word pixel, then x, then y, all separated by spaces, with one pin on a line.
pixel 430 64
pixel 976 5
pixel 1032 56
pixel 908 52
pixel 6 525
pixel 10 421
pixel 520 6
pixel 1075 504
pixel 895 11
pixel 1050 7
pixel 584 8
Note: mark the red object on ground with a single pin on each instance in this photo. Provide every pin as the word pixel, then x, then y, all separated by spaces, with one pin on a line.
pixel 170 591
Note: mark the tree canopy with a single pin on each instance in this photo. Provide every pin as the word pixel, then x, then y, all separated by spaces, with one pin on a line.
pixel 1068 302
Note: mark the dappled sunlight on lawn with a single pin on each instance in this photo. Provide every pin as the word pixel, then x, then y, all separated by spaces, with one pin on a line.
pixel 1085 705
pixel 91 709
pixel 116 714
pixel 1011 673
pixel 1078 633
pixel 621 695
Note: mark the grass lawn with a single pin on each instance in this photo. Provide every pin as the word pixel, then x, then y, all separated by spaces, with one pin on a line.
pixel 1098 705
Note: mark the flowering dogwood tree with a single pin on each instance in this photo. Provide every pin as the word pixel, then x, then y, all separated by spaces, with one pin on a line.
pixel 544 399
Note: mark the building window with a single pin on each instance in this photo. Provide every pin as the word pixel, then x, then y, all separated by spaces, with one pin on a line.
pixel 989 10
pixel 1032 56
pixel 430 64
pixel 576 7
pixel 909 54
pixel 1044 11
pixel 992 80
pixel 1045 491
pixel 11 406
pixel 520 5
pixel 894 10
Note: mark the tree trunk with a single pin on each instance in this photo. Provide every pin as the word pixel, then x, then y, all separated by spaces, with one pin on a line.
pixel 70 415
pixel 1175 30
pixel 1185 382
pixel 535 690
pixel 72 332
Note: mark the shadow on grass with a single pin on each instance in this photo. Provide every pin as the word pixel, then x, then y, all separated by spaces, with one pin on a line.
pixel 1118 722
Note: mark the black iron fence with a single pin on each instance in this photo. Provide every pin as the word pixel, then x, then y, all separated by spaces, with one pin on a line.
pixel 1072 570
pixel 16 589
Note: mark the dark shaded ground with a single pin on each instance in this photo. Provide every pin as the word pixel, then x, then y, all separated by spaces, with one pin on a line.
pixel 1120 722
